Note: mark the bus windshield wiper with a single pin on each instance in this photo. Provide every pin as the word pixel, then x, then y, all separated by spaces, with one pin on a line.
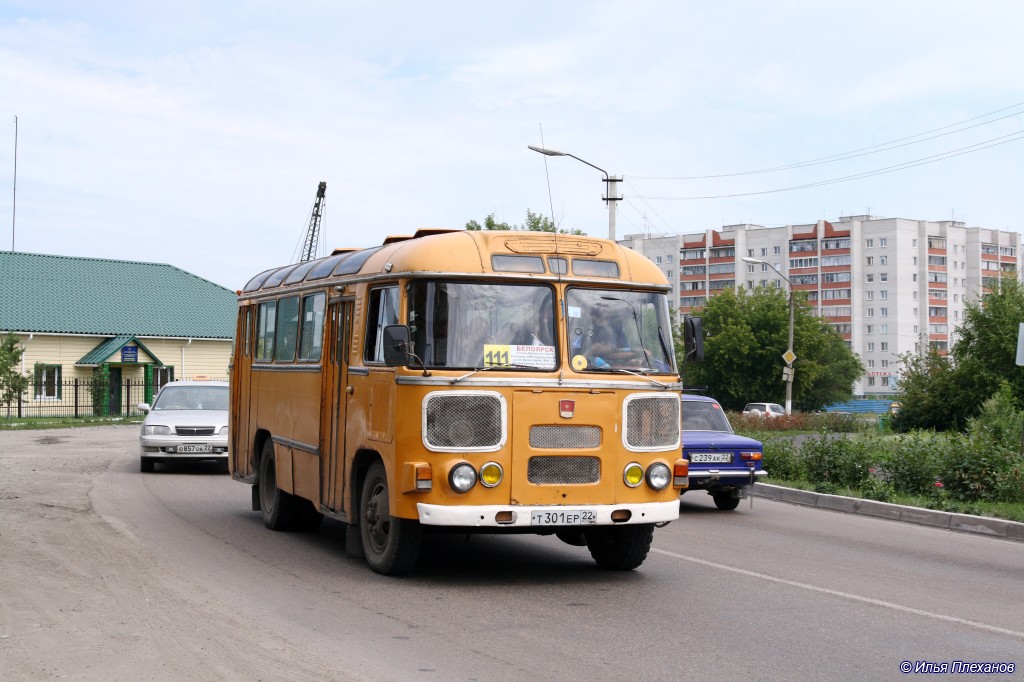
pixel 620 370
pixel 487 368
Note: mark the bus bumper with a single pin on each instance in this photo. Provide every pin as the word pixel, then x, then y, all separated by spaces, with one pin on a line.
pixel 541 516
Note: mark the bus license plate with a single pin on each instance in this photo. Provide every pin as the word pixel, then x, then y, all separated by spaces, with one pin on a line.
pixel 563 517
pixel 193 449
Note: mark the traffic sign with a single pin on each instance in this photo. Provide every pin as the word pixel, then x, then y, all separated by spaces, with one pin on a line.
pixel 789 356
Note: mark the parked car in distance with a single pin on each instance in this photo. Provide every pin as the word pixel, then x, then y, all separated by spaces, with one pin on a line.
pixel 722 463
pixel 188 421
pixel 765 409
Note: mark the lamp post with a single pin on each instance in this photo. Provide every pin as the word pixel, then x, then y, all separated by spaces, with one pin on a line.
pixel 610 186
pixel 787 372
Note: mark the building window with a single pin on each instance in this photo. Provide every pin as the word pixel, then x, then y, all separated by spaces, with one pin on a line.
pixel 883 277
pixel 869 278
pixel 883 294
pixel 884 346
pixel 777 250
pixel 669 257
pixel 869 295
pixel 885 363
pixel 883 329
pixel 885 381
pixel 764 251
pixel 870 329
pixel 883 242
pixel 871 381
pixel 750 253
pixel 869 243
pixel 871 364
pixel 871 347
pixel 47 382
pixel 657 259
pixel 161 377
pixel 870 312
pixel 883 312
pixel 883 260
pixel 750 268
pixel 869 260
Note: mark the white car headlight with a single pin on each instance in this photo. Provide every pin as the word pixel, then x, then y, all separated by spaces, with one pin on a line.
pixel 155 430
pixel 223 431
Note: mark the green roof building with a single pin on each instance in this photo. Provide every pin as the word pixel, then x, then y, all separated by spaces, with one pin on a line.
pixel 134 326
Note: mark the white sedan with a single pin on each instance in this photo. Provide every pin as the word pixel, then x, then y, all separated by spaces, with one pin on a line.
pixel 188 421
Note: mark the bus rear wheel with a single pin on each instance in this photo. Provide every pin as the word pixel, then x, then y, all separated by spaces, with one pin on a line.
pixel 279 509
pixel 391 545
pixel 620 548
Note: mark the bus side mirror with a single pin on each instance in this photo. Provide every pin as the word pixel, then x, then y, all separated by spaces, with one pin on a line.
pixel 396 345
pixel 693 339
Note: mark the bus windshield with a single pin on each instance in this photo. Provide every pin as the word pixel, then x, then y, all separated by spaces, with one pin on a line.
pixel 613 329
pixel 473 325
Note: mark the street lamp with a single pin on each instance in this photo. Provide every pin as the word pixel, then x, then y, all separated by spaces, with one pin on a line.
pixel 610 186
pixel 788 372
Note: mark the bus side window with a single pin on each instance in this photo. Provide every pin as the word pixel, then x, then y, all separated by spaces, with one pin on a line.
pixel 265 331
pixel 382 311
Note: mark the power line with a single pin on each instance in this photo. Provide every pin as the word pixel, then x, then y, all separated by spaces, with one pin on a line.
pixel 878 171
pixel 864 151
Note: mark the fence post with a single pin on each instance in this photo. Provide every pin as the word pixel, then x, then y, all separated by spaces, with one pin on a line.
pixel 19 405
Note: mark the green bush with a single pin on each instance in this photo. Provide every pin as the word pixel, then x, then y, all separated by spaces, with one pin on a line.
pixel 837 460
pixel 782 461
pixel 979 469
pixel 911 463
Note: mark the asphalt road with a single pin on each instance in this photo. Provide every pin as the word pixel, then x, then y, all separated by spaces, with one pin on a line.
pixel 107 573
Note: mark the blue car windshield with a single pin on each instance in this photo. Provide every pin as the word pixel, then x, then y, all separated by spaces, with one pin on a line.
pixel 699 415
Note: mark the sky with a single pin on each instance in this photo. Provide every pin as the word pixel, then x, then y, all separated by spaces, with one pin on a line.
pixel 195 133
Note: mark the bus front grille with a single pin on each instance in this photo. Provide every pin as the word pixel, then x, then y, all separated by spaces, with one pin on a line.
pixel 652 422
pixel 565 437
pixel 563 470
pixel 463 421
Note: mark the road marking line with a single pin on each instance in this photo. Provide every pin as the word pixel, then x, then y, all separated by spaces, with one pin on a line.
pixel 845 595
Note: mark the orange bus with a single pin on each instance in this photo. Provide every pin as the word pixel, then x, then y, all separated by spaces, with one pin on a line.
pixel 467 381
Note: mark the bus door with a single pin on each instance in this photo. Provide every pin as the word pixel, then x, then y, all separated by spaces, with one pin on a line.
pixel 334 405
pixel 241 444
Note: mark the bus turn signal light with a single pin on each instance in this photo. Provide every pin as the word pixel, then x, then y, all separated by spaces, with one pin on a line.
pixel 424 477
pixel 681 474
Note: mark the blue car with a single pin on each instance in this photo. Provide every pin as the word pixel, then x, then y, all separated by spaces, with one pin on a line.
pixel 721 462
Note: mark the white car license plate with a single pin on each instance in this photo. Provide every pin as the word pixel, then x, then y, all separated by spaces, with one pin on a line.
pixel 193 449
pixel 563 517
pixel 711 457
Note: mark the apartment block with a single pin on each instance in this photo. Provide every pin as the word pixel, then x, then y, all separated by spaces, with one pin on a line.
pixel 888 285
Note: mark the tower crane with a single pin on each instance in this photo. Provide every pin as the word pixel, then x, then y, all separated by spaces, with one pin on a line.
pixel 313 231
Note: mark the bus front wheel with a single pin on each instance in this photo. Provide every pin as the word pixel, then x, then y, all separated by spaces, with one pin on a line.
pixel 279 509
pixel 620 548
pixel 391 545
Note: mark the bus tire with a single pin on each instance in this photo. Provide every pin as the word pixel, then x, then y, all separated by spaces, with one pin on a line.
pixel 279 509
pixel 725 500
pixel 391 545
pixel 620 548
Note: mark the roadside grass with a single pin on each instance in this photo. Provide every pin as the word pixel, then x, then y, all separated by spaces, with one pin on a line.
pixel 39 423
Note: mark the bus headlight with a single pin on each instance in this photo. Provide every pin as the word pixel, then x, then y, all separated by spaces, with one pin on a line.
pixel 633 475
pixel 462 477
pixel 491 474
pixel 658 476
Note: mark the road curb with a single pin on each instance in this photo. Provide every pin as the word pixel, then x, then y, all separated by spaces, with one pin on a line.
pixel 964 523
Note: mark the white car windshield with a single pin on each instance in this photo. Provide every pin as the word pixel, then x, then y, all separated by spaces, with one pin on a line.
pixel 192 398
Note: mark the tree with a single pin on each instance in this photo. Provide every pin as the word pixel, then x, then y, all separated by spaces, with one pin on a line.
pixel 943 393
pixel 12 382
pixel 534 223
pixel 747 333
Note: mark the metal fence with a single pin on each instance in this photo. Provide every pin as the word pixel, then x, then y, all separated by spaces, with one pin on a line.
pixel 77 398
